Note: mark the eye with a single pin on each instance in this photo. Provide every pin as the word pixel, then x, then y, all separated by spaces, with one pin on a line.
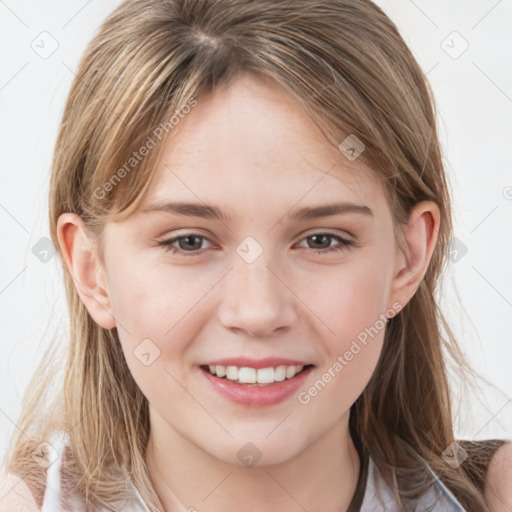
pixel 184 242
pixel 325 239
pixel 191 243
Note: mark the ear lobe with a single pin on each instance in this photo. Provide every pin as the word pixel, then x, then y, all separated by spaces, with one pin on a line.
pixel 82 262
pixel 420 238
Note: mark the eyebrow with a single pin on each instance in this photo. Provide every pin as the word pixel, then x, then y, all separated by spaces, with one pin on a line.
pixel 213 212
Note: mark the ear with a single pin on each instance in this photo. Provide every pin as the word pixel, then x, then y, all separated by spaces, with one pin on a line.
pixel 412 259
pixel 82 262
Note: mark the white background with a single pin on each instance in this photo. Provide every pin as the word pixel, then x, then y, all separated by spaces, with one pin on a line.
pixel 474 99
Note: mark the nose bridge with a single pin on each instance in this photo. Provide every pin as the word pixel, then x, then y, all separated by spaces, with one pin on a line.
pixel 253 283
pixel 255 300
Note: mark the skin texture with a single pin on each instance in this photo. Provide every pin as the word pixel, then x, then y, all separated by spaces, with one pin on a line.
pixel 15 494
pixel 498 491
pixel 252 151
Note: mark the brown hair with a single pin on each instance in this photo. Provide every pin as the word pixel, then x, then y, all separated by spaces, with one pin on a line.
pixel 346 63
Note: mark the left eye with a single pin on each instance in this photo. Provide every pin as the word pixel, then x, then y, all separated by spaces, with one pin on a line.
pixel 190 242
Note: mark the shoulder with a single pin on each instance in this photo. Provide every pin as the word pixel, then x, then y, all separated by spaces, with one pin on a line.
pixel 15 495
pixel 498 488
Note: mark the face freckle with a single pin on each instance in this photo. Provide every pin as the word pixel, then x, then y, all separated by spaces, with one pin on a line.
pixel 251 152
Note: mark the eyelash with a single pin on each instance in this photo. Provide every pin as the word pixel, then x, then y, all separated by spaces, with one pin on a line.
pixel 344 243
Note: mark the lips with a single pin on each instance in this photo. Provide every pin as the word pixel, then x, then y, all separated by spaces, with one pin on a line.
pixel 256 395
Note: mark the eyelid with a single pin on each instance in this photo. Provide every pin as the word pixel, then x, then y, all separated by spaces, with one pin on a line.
pixel 327 231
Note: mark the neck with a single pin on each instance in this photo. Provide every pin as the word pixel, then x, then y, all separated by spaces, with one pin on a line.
pixel 321 478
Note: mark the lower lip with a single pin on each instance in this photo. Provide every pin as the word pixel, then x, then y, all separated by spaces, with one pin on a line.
pixel 254 395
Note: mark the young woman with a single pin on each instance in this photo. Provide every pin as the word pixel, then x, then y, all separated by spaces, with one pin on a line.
pixel 251 210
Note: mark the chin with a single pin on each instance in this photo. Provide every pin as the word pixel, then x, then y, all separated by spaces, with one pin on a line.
pixel 250 452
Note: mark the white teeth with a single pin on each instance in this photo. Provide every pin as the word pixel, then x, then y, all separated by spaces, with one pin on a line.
pixel 290 372
pixel 268 375
pixel 280 373
pixel 232 373
pixel 246 375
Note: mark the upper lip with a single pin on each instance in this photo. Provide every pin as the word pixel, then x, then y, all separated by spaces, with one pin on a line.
pixel 256 363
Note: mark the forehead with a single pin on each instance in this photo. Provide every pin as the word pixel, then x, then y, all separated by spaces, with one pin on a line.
pixel 252 144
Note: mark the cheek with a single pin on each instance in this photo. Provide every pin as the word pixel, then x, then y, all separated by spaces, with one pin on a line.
pixel 361 322
pixel 151 298
pixel 349 298
pixel 156 309
pixel 354 309
pixel 351 301
pixel 154 335
pixel 343 378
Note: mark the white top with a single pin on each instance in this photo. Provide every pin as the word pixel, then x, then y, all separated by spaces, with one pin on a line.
pixel 52 502
pixel 378 496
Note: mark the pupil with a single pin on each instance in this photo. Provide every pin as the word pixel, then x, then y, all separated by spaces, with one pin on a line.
pixel 315 237
pixel 187 239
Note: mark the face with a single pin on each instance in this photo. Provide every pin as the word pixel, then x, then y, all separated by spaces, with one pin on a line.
pixel 262 282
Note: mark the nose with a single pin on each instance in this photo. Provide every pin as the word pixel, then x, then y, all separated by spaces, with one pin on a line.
pixel 257 300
